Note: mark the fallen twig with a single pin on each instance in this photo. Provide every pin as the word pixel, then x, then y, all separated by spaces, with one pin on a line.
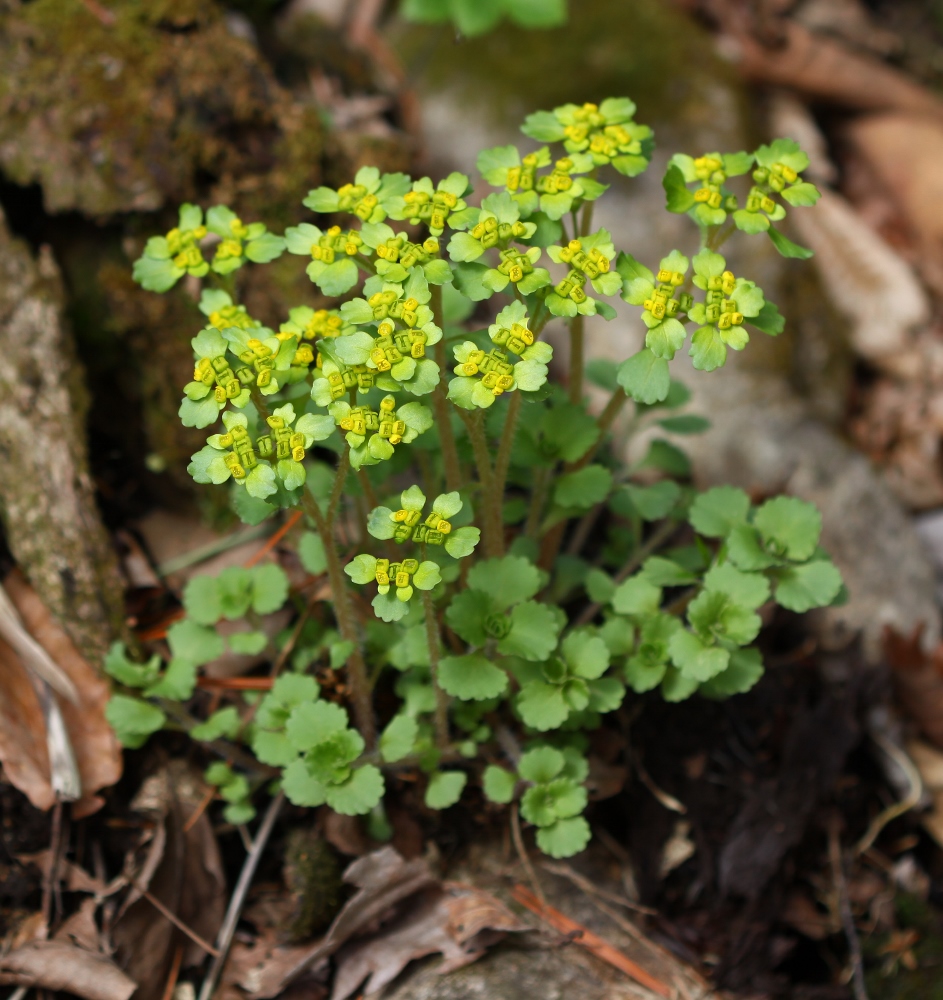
pixel 522 852
pixel 226 932
pixel 910 800
pixel 590 941
pixel 175 920
pixel 273 539
pixel 844 909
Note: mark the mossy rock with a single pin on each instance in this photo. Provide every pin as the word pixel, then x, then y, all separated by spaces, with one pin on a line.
pixel 147 111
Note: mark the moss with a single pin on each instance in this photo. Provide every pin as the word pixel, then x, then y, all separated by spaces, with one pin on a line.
pixel 150 110
pixel 925 981
pixel 313 876
pixel 645 49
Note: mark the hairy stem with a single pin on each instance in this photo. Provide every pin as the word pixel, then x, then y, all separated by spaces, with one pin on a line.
pixel 440 403
pixel 434 641
pixel 604 421
pixel 490 501
pixel 356 667
pixel 577 350
pixel 538 499
pixel 503 460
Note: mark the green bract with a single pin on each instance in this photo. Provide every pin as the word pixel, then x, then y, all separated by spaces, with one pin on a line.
pixel 523 582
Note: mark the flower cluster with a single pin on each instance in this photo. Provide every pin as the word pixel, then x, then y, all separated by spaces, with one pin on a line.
pixel 373 434
pixel 483 376
pixel 588 258
pixel 254 461
pixel 371 197
pixel 606 132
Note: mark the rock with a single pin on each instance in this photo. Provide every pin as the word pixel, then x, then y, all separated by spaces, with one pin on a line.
pixel 47 499
pixel 533 965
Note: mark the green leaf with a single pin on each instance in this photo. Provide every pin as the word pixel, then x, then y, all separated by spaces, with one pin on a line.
pixel 787 248
pixel 506 581
pixel 311 552
pixel 717 511
pixel 427 576
pixel 540 765
pixel 248 643
pixel 125 671
pixel 537 13
pixel 665 456
pixel 662 572
pixel 801 194
pixel 564 838
pixel 445 789
pixel 194 642
pixel 133 720
pixel 544 126
pixel 769 319
pixel 584 488
pixel 201 600
pixel 358 794
pixel 656 501
pixel 225 722
pixel 599 586
pixel 708 351
pixel 462 541
pixel 696 659
pixel 467 613
pixel 812 585
pixel 248 509
pixel 750 590
pixel 399 738
pixel 636 596
pixel 677 196
pixel 301 787
pixel 389 608
pixel 686 423
pixel 542 706
pixel 534 631
pixel 498 784
pixel 643 675
pixel 471 677
pixel 586 654
pixel 269 588
pixel 676 687
pixel 645 377
pixel 745 669
pixel 789 526
pixel 362 569
pixel 745 548
pixel 238 813
pixel 666 338
pixel 274 749
pixel 714 616
pixel 314 722
pixel 178 681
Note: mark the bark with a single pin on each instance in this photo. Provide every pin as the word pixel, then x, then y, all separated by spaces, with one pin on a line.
pixel 47 498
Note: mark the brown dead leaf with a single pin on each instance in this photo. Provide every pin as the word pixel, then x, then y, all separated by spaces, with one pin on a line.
pixel 801 913
pixel 904 152
pixel 23 749
pixel 182 869
pixel 73 877
pixel 383 879
pixel 827 69
pixel 929 762
pixel 80 929
pixel 460 923
pixel 918 680
pixel 59 965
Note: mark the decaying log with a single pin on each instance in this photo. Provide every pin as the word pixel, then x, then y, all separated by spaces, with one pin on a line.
pixel 47 501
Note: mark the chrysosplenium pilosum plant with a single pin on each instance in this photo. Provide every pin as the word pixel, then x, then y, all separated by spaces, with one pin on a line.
pixel 495 569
